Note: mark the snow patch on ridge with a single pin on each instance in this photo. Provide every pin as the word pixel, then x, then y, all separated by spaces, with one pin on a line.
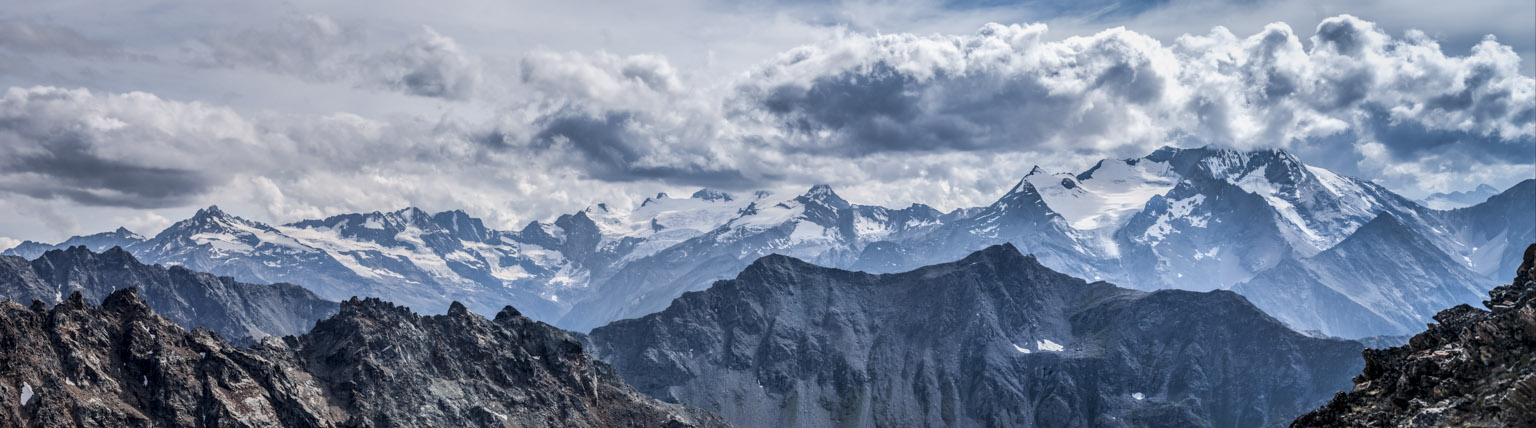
pixel 1048 345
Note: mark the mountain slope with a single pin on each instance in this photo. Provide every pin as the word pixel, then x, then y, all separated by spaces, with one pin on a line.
pixel 994 339
pixel 1385 279
pixel 373 364
pixel 1474 368
pixel 1489 236
pixel 233 309
pixel 1020 217
pixel 1463 199
pixel 100 242
pixel 818 225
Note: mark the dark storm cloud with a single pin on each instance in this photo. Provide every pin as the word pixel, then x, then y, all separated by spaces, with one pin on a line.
pixel 614 151
pixel 878 110
pixel 59 163
pixel 1409 141
pixel 961 93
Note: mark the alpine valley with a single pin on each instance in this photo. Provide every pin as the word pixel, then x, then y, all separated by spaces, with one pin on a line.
pixel 1321 252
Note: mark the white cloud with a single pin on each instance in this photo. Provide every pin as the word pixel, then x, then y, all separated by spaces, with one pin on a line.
pixel 147 223
pixel 1004 88
pixel 8 243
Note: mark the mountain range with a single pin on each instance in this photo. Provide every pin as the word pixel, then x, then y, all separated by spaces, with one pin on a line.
pixel 1193 219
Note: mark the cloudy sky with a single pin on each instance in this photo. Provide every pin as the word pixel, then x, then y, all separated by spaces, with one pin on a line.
pixel 137 113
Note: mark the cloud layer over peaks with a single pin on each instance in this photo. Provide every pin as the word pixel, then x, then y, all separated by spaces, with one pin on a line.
pixel 948 119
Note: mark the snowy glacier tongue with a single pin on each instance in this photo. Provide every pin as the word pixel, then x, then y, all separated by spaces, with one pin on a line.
pixel 1105 196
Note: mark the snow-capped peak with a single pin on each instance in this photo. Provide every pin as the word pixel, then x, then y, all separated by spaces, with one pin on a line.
pixel 712 195
pixel 1105 195
pixel 123 232
pixel 212 211
pixel 823 194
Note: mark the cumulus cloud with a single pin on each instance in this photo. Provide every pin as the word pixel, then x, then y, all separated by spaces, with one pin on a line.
pixel 131 150
pixel 1004 88
pixel 317 48
pixel 429 65
pixel 147 223
pixel 624 118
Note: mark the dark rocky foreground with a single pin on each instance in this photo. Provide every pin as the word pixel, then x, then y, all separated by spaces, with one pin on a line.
pixel 236 310
pixel 994 340
pixel 1474 368
pixel 373 364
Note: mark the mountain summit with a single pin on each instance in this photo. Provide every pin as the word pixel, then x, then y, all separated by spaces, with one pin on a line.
pixel 993 339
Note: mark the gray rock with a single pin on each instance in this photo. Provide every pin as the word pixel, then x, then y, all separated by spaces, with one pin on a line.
pixel 788 343
pixel 373 364
pixel 235 310
pixel 1473 368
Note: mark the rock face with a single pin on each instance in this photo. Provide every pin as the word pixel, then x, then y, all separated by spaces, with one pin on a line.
pixel 995 339
pixel 235 310
pixel 1474 368
pixel 373 364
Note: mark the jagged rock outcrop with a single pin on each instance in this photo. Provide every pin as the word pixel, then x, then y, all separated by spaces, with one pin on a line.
pixel 373 364
pixel 995 339
pixel 1473 368
pixel 235 310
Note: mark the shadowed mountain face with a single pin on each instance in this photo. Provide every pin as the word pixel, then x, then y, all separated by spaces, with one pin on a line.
pixel 1474 368
pixel 373 364
pixel 235 310
pixel 994 339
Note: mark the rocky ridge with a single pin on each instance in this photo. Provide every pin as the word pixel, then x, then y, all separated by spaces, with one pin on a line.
pixel 373 364
pixel 236 310
pixel 1473 368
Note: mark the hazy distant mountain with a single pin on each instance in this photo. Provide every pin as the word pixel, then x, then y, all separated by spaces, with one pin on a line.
pixel 235 310
pixel 1195 219
pixel 1489 236
pixel 1461 199
pixel 1385 279
pixel 100 242
pixel 372 364
pixel 995 339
